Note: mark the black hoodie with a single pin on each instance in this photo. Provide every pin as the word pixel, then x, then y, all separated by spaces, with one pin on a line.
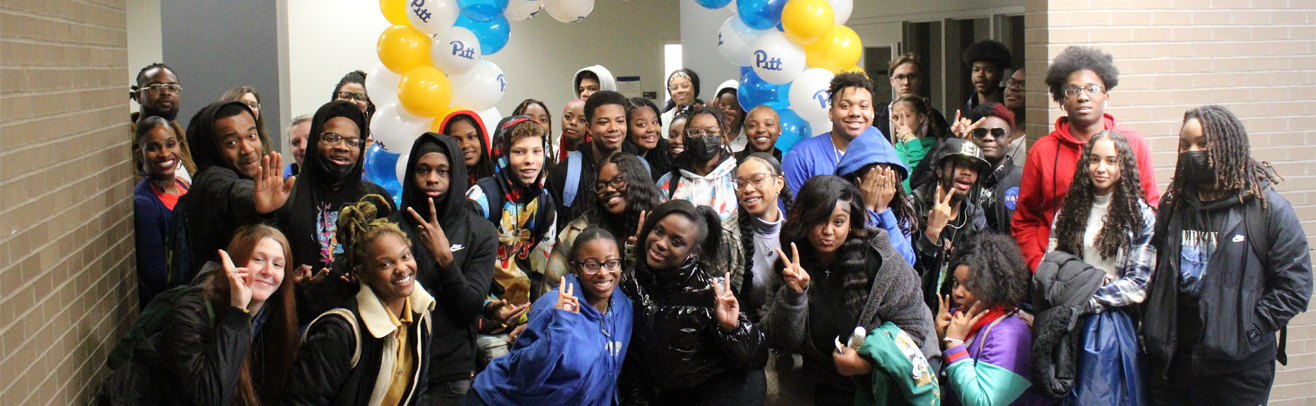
pixel 220 200
pixel 310 217
pixel 461 287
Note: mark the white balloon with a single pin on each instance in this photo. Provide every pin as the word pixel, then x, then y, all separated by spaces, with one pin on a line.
pixel 735 41
pixel 777 59
pixel 569 11
pixel 382 85
pixel 521 10
pixel 479 89
pixel 455 50
pixel 842 9
pixel 395 129
pixel 401 168
pixel 808 94
pixel 432 16
pixel 490 119
pixel 820 127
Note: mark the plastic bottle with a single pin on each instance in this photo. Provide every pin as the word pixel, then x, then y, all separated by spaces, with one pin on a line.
pixel 857 340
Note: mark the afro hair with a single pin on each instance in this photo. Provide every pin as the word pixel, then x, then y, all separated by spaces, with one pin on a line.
pixel 998 272
pixel 991 52
pixel 1077 58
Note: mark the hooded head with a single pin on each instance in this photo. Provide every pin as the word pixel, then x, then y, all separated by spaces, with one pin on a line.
pixel 205 138
pixel 333 163
pixel 600 74
pixel 471 148
pixel 451 203
pixel 870 148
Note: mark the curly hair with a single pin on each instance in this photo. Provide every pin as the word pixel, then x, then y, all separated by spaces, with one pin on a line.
pixel 641 195
pixel 1077 58
pixel 1124 214
pixel 817 199
pixel 989 51
pixel 999 274
pixel 525 104
pixel 846 80
pixel 1229 154
pixel 743 218
pixel 360 224
pixel 901 205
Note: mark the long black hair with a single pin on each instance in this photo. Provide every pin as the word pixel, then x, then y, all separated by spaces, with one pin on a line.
pixel 1124 214
pixel 706 220
pixel 744 220
pixel 484 168
pixel 1230 156
pixel 817 198
pixel 999 274
pixel 641 195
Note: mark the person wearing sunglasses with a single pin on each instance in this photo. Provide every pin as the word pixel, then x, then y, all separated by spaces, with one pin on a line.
pixel 1000 186
pixel 329 180
pixel 705 173
pixel 1080 80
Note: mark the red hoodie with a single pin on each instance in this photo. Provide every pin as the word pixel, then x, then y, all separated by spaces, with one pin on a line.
pixel 1047 174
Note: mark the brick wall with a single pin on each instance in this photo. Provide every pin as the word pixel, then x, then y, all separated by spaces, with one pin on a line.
pixel 66 285
pixel 1256 57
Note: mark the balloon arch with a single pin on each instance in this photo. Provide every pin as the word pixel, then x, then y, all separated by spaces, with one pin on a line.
pixel 431 63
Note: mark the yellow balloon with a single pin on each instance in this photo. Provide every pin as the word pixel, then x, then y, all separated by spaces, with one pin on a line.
pixel 807 21
pixel 838 50
pixel 855 68
pixel 402 48
pixel 425 91
pixel 395 11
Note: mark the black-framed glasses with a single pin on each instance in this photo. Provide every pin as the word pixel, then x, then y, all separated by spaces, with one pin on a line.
pixel 1012 84
pixel 253 105
pixel 617 183
pixel 157 88
pixel 592 267
pixel 981 133
pixel 699 132
pixel 905 78
pixel 333 138
pixel 361 97
pixel 1092 89
pixel 759 180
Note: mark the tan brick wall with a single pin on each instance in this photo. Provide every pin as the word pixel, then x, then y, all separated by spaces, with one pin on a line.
pixel 66 284
pixel 1256 57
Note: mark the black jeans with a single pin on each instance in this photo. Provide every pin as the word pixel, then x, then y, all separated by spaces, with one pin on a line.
pixel 452 393
pixel 1248 387
pixel 730 388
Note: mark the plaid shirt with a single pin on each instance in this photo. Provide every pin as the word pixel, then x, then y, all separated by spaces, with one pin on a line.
pixel 1136 262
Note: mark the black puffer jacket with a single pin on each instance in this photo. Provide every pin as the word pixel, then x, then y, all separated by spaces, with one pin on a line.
pixel 1061 289
pixel 676 341
pixel 932 255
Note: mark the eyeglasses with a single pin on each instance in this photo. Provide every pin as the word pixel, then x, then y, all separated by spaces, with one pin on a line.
pixel 905 78
pixel 1016 84
pixel 617 183
pixel 361 97
pixel 1092 89
pixel 253 105
pixel 158 88
pixel 981 133
pixel 332 138
pixel 683 86
pixel 699 132
pixel 759 180
pixel 592 267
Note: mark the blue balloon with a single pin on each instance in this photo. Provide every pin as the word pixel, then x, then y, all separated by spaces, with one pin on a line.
pixel 760 14
pixel 493 34
pixel 381 169
pixel 713 4
pixel 793 129
pixel 754 91
pixel 482 10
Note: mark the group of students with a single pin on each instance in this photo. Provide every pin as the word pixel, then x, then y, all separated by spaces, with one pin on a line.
pixel 674 255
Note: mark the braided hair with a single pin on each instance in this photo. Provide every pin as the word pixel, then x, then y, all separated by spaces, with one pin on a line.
pixel 744 219
pixel 1124 213
pixel 1229 154
pixel 361 223
pixel 141 78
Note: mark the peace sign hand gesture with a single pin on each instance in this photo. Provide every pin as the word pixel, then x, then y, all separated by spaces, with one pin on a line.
pixel 271 190
pixel 939 216
pixel 943 315
pixel 239 282
pixel 432 236
pixel 963 127
pixel 632 240
pixel 797 279
pixel 963 321
pixel 904 132
pixel 565 301
pixel 728 308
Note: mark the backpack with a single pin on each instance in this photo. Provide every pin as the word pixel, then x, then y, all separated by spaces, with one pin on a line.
pixel 149 323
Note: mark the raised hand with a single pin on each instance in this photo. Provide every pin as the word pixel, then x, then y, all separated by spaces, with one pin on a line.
pixel 871 188
pixel 632 240
pixel 304 277
pixel 239 282
pixel 432 236
pixel 939 216
pixel 728 308
pixel 943 315
pixel 505 313
pixel 961 322
pixel 271 190
pixel 962 127
pixel 565 301
pixel 904 132
pixel 849 363
pixel 888 184
pixel 796 278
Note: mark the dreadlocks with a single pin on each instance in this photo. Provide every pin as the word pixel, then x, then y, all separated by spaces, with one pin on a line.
pixel 1229 154
pixel 1124 214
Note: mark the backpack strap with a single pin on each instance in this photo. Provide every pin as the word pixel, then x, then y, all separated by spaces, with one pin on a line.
pixel 351 321
pixel 981 339
pixel 574 164
pixel 673 181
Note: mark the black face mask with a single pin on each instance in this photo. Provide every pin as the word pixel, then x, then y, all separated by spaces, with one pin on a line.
pixel 337 171
pixel 703 149
pixel 1196 168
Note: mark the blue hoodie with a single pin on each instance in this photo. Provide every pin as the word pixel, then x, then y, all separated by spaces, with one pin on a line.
pixel 562 358
pixel 815 156
pixel 869 148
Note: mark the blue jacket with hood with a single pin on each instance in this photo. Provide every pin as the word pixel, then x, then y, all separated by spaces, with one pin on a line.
pixel 562 358
pixel 870 148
